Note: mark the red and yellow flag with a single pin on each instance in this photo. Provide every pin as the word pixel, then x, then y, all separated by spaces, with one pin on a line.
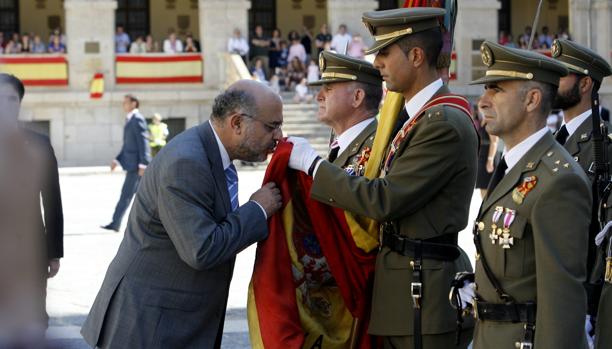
pixel 309 244
pixel 96 89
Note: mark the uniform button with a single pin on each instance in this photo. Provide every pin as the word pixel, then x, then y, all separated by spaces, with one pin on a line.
pixel 481 226
pixel 331 200
pixel 517 345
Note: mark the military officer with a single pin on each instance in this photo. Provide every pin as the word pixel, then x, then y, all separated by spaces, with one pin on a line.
pixel 586 68
pixel 529 234
pixel 423 195
pixel 351 90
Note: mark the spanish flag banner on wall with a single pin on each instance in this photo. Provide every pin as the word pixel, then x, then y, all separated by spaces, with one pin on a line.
pixel 37 70
pixel 154 69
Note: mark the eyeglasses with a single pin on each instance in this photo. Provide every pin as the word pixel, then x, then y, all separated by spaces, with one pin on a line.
pixel 269 127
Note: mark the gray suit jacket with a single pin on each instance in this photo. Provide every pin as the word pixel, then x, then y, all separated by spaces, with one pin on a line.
pixel 167 286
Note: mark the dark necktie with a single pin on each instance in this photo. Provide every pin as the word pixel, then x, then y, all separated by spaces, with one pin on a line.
pixel 561 135
pixel 231 177
pixel 498 174
pixel 333 152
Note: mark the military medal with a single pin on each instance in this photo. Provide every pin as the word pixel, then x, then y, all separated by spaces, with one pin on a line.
pixel 506 240
pixel 350 169
pixel 519 193
pixel 494 230
pixel 608 275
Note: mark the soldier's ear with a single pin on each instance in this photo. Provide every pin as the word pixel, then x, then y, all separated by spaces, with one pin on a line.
pixel 358 98
pixel 533 100
pixel 585 84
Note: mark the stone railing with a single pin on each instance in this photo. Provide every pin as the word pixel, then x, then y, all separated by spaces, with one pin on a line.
pixel 234 67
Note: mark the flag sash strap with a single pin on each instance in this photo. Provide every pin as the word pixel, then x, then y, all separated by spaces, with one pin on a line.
pixel 451 100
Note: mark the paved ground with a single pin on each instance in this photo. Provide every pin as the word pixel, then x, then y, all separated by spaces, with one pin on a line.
pixel 89 200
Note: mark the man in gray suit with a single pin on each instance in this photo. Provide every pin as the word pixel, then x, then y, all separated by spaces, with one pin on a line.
pixel 167 287
pixel 134 157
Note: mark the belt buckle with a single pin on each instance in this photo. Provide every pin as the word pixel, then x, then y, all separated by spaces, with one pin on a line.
pixel 608 274
pixel 525 345
pixel 475 305
pixel 416 289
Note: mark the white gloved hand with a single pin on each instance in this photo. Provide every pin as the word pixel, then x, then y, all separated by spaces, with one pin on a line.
pixel 467 294
pixel 588 327
pixel 602 234
pixel 302 155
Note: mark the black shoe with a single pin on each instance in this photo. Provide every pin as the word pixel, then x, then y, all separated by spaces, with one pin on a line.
pixel 110 227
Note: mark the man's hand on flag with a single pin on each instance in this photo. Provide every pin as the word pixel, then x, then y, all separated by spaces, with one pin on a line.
pixel 303 155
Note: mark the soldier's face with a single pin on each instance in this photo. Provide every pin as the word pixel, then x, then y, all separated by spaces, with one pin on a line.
pixel 395 68
pixel 502 107
pixel 9 109
pixel 334 102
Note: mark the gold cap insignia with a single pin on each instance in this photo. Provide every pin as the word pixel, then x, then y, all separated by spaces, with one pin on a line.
pixel 487 55
pixel 555 50
pixel 321 62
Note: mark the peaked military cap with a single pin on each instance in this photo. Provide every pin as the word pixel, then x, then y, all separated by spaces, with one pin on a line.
pixel 336 67
pixel 505 63
pixel 390 25
pixel 580 60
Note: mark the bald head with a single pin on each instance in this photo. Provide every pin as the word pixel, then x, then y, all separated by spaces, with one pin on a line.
pixel 244 96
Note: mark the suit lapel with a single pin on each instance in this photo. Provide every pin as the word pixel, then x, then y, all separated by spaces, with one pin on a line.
pixel 356 144
pixel 528 163
pixel 214 157
pixel 582 135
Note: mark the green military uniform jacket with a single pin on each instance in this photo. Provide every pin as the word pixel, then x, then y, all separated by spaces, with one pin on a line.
pixel 350 157
pixel 545 261
pixel 426 193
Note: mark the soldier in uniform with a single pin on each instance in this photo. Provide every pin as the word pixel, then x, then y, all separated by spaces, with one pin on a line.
pixel 351 90
pixel 530 231
pixel 423 195
pixel 586 69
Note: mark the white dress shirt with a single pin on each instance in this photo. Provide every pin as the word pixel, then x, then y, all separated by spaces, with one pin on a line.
pixel 514 155
pixel 421 98
pixel 576 122
pixel 226 162
pixel 347 137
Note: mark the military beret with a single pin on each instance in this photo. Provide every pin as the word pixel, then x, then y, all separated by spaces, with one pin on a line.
pixel 580 60
pixel 505 63
pixel 336 67
pixel 390 25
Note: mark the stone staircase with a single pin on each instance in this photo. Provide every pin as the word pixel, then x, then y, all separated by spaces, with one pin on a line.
pixel 300 120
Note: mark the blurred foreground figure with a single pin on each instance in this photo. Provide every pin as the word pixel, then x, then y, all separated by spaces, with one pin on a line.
pixel 30 248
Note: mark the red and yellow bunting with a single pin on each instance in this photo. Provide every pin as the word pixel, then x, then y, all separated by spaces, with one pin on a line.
pixel 37 70
pixel 156 69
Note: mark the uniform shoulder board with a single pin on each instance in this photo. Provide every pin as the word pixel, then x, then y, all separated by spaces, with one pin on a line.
pixel 436 113
pixel 556 163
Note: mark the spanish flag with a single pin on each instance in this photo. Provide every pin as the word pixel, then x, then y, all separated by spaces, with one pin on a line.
pixel 96 89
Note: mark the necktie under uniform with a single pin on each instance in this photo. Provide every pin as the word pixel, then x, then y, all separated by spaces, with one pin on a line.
pixel 561 135
pixel 498 174
pixel 334 149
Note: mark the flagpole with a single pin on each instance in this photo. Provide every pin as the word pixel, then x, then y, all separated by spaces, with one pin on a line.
pixel 355 334
pixel 535 25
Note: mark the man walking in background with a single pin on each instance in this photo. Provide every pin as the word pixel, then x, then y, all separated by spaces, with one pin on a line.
pixel 133 158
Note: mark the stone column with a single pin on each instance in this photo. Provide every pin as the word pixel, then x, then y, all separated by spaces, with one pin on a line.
pixel 90 28
pixel 349 13
pixel 476 21
pixel 218 19
pixel 590 26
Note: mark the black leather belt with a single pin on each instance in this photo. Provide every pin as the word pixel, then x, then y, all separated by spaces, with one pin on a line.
pixel 429 250
pixel 512 312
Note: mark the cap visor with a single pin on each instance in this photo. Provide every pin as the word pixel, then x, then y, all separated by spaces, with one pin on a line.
pixel 379 45
pixel 327 81
pixel 493 78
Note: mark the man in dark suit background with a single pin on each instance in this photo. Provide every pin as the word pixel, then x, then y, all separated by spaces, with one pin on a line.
pixel 134 157
pixel 30 248
pixel 167 287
